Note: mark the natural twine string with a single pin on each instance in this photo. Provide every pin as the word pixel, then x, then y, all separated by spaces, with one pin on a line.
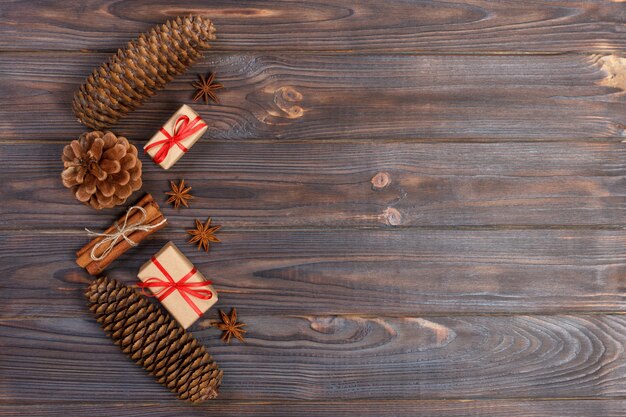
pixel 111 239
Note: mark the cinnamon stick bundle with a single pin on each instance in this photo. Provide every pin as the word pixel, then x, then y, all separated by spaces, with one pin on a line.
pixel 135 225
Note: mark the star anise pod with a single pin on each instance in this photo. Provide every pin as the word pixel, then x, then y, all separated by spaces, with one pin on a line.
pixel 206 88
pixel 179 194
pixel 230 326
pixel 203 234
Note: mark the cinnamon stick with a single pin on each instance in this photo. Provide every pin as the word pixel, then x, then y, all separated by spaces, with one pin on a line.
pixel 96 267
pixel 143 202
pixel 152 211
pixel 154 219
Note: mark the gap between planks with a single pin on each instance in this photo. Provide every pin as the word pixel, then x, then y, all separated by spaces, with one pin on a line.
pixel 565 139
pixel 395 229
pixel 314 52
pixel 356 401
pixel 369 316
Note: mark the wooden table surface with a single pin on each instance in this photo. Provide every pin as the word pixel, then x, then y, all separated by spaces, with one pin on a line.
pixel 422 206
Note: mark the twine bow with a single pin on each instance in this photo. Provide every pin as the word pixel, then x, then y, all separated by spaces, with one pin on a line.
pixel 183 128
pixel 111 239
pixel 169 285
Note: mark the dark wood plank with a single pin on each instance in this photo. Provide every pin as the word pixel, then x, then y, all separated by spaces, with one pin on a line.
pixel 373 408
pixel 336 357
pixel 346 271
pixel 328 25
pixel 309 147
pixel 334 97
pixel 255 184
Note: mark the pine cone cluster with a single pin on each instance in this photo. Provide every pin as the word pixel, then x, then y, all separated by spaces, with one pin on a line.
pixel 154 340
pixel 102 169
pixel 138 71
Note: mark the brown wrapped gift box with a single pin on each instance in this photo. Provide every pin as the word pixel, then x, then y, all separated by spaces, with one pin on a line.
pixel 180 287
pixel 176 137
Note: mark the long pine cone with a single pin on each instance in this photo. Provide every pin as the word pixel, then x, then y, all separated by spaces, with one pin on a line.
pixel 141 69
pixel 154 340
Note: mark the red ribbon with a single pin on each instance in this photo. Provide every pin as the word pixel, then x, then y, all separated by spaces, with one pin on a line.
pixel 185 288
pixel 181 131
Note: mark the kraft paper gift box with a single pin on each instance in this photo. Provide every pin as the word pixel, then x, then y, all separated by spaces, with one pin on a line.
pixel 193 294
pixel 175 137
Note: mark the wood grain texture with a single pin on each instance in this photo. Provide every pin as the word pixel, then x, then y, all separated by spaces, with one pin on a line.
pixel 335 97
pixel 255 184
pixel 327 25
pixel 348 271
pixel 372 408
pixel 423 208
pixel 336 357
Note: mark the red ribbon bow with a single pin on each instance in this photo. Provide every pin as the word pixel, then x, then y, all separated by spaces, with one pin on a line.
pixel 183 128
pixel 185 288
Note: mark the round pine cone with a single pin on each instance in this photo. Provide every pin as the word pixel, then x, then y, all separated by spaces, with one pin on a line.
pixel 101 169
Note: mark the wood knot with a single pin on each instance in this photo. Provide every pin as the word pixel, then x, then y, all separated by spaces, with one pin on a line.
pixel 242 12
pixel 432 334
pixel 380 180
pixel 614 68
pixel 327 325
pixel 392 216
pixel 284 98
